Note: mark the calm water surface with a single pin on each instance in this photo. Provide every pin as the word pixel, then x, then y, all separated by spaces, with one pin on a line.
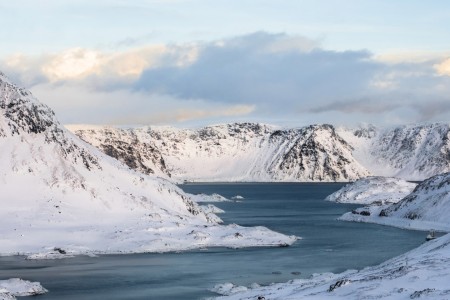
pixel 327 246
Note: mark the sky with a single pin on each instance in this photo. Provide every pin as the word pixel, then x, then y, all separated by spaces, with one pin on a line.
pixel 200 62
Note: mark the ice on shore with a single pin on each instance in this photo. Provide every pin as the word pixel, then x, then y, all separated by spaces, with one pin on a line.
pixel 13 287
pixel 208 198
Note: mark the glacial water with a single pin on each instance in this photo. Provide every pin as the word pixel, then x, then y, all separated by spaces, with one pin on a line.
pixel 328 245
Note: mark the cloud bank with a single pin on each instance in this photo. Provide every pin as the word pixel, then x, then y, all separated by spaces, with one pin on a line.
pixel 259 76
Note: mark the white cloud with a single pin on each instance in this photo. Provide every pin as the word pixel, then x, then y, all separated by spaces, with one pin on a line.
pixel 443 68
pixel 262 75
pixel 74 105
pixel 72 64
pixel 77 64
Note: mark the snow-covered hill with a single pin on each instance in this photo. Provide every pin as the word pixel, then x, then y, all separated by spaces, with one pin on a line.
pixel 426 208
pixel 259 152
pixel 383 190
pixel 430 201
pixel 63 196
pixel 234 152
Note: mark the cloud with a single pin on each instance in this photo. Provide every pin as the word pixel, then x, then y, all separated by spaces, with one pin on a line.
pixel 366 106
pixel 443 67
pixel 261 69
pixel 258 76
pixel 94 67
pixel 74 104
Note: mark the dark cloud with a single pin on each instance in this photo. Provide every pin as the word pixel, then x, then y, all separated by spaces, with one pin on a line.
pixel 250 69
pixel 366 106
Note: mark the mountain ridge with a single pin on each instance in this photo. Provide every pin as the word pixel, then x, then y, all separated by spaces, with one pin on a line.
pixel 260 152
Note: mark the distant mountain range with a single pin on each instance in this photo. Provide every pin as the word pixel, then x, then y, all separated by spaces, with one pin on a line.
pixel 259 152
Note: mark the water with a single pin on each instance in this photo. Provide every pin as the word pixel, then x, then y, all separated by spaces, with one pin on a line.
pixel 327 246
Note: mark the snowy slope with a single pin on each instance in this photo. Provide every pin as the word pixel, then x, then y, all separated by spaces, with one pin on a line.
pixel 238 152
pixel 59 192
pixel 372 189
pixel 426 208
pixel 423 273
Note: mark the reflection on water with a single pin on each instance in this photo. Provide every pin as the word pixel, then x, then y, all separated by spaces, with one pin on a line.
pixel 327 246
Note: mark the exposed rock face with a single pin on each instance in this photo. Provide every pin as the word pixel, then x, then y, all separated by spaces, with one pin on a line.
pixel 417 152
pixel 413 152
pixel 237 152
pixel 22 114
pixel 317 153
pixel 125 146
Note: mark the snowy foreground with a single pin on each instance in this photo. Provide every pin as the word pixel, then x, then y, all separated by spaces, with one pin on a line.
pixel 13 287
pixel 421 273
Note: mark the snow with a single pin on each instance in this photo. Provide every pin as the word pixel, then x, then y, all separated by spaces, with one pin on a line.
pixel 13 287
pixel 373 189
pixel 421 273
pixel 60 192
pixel 235 152
pixel 209 208
pixel 228 288
pixel 411 152
pixel 199 198
pixel 426 208
pixel 259 152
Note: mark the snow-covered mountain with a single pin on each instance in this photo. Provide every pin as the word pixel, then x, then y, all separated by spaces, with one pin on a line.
pixel 412 152
pixel 61 195
pixel 233 152
pixel 258 152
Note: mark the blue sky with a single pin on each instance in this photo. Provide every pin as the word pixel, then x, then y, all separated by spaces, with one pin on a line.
pixel 200 62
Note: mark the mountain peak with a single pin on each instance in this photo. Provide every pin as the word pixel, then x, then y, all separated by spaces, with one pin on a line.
pixel 21 111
